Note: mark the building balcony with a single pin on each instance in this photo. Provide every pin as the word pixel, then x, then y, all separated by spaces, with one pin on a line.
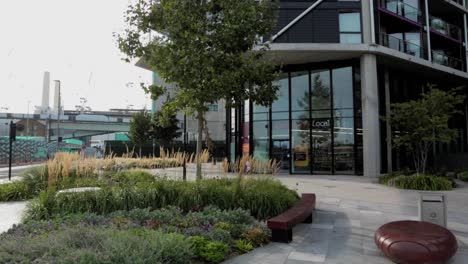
pixel 442 58
pixel 440 26
pixel 402 9
pixel 402 45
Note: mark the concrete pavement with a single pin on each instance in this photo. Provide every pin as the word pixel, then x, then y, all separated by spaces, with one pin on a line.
pixel 349 210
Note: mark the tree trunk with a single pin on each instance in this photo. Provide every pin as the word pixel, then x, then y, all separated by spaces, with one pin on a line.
pixel 140 153
pixel 199 144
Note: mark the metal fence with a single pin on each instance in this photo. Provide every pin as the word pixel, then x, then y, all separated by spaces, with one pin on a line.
pixel 24 151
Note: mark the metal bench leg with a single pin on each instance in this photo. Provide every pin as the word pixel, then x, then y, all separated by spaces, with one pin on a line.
pixel 308 220
pixel 280 235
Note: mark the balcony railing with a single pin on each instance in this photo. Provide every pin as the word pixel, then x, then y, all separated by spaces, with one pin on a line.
pixel 442 58
pixel 445 28
pixel 402 45
pixel 400 8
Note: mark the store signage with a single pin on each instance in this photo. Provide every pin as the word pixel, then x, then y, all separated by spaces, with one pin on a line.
pixel 321 123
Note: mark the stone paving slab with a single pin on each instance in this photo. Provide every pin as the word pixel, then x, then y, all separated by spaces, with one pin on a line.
pixel 345 221
pixel 10 214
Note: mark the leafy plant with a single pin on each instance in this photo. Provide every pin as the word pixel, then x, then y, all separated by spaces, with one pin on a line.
pixel 96 245
pixel 256 236
pixel 264 198
pixel 164 130
pixel 140 126
pixel 421 182
pixel 463 176
pixel 424 122
pixel 243 246
pixel 214 251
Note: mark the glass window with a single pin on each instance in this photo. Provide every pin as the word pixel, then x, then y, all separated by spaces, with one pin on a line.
pixel 343 88
pixel 344 145
pixel 300 139
pixel 300 97
pixel 282 103
pixel 350 27
pixel 261 140
pixel 350 38
pixel 350 22
pixel 321 98
pixel 212 107
pixel 280 143
pixel 260 113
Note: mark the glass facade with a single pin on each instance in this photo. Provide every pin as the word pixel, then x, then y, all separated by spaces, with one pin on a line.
pixel 313 127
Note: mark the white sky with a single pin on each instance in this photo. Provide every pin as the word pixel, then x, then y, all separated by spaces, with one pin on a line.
pixel 72 39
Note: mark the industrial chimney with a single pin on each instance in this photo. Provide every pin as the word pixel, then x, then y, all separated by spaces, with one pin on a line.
pixel 45 93
pixel 57 97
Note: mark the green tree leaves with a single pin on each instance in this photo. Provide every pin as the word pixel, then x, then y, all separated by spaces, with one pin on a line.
pixel 139 132
pixel 420 123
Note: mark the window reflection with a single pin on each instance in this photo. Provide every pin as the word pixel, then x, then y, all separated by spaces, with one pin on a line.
pixel 314 130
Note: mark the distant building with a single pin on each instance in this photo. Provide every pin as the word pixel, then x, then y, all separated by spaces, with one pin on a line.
pixel 215 117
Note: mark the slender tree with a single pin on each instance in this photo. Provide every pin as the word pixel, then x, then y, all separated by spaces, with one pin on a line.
pixel 164 132
pixel 210 49
pixel 139 132
pixel 418 124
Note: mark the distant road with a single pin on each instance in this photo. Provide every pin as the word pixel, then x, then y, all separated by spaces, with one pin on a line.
pixel 15 171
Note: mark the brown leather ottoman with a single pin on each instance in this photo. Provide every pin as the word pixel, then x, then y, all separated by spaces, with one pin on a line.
pixel 413 242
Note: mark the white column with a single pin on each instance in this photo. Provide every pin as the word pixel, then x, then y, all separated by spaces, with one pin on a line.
pixel 370 115
pixel 428 31
pixel 368 27
pixel 388 126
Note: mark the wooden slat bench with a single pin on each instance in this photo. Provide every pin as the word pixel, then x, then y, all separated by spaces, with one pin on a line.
pixel 281 225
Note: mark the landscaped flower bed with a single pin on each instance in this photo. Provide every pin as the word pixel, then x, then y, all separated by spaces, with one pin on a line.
pixel 264 198
pixel 136 217
pixel 70 170
pixel 417 182
pixel 136 236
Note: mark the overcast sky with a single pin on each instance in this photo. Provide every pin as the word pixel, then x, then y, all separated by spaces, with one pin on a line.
pixel 72 39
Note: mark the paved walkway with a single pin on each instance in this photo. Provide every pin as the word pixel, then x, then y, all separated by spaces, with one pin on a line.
pixel 349 210
pixel 10 214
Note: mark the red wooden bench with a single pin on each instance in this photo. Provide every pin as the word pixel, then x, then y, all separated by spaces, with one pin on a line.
pixel 281 225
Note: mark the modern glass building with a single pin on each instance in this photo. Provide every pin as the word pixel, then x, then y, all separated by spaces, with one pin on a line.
pixel 343 64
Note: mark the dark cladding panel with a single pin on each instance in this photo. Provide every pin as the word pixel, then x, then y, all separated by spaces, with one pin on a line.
pixel 325 26
pixel 302 31
pixel 287 15
pixel 321 25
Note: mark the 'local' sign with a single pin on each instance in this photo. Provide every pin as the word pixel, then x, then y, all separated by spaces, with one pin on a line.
pixel 324 123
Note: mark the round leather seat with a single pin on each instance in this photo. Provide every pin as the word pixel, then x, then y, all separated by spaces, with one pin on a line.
pixel 413 242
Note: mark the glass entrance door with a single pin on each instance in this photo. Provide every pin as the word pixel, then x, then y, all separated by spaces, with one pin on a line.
pixel 280 152
pixel 322 154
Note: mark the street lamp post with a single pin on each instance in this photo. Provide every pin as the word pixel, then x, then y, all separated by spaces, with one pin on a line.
pixel 27 119
pixel 184 170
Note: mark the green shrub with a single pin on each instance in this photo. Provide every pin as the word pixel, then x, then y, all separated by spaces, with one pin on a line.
pixel 33 183
pixel 214 251
pixel 96 245
pixel 266 197
pixel 130 177
pixel 224 225
pixel 220 235
pixel 421 182
pixel 463 176
pixel 14 191
pixel 256 236
pixel 198 243
pixel 243 246
pixel 263 198
pixel 385 178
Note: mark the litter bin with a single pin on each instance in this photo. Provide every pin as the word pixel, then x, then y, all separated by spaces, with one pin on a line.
pixel 432 208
